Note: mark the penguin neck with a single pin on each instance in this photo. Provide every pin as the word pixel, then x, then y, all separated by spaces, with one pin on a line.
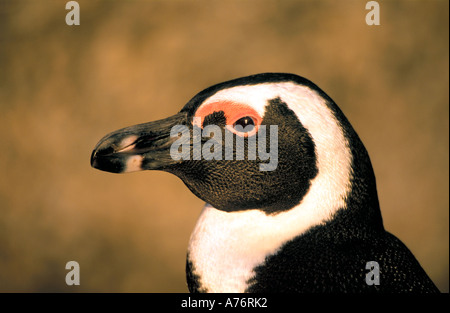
pixel 225 247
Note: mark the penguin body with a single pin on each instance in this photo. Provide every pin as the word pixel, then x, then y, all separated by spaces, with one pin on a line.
pixel 312 223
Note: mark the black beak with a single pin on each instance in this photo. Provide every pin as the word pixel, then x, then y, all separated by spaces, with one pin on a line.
pixel 136 148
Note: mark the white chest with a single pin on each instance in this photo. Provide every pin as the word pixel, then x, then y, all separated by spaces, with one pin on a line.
pixel 224 250
pixel 225 247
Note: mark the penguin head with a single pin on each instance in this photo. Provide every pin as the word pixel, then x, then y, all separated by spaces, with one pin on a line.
pixel 264 142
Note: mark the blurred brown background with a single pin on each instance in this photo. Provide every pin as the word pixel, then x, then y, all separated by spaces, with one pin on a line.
pixel 63 87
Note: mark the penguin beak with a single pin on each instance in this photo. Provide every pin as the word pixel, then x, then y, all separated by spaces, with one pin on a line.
pixel 136 148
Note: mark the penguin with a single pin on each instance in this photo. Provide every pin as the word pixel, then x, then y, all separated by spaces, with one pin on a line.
pixel 309 223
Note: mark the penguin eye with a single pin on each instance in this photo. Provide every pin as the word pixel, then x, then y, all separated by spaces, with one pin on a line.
pixel 245 124
pixel 241 119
